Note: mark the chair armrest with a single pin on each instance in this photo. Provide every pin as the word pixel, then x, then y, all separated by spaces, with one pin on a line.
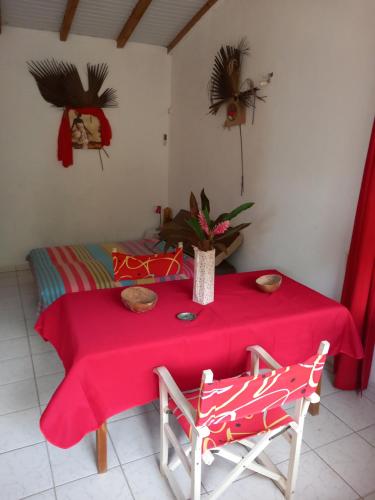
pixel 174 391
pixel 259 353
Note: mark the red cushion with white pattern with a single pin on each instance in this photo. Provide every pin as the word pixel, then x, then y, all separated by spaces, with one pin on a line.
pixel 235 398
pixel 226 432
pixel 134 267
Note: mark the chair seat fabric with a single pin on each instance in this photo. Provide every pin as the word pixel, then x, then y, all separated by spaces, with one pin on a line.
pixel 222 433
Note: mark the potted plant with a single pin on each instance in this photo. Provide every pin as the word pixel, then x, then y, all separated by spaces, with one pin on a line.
pixel 206 236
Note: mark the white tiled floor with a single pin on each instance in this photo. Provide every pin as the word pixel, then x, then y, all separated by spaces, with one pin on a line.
pixel 338 455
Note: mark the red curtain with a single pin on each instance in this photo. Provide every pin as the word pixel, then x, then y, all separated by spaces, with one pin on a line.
pixel 358 293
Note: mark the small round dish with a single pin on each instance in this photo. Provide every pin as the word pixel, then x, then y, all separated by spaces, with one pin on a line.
pixel 139 299
pixel 186 316
pixel 269 283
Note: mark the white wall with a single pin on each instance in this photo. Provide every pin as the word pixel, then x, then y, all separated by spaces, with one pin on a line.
pixel 41 203
pixel 304 155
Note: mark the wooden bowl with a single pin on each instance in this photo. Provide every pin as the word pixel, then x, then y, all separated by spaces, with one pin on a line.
pixel 269 283
pixel 139 299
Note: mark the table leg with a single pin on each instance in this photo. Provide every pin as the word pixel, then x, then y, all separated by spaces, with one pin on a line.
pixel 314 408
pixel 101 448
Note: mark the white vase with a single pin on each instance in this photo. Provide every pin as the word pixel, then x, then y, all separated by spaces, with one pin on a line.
pixel 204 276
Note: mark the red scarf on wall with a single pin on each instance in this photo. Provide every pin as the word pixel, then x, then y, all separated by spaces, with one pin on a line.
pixel 64 143
pixel 358 293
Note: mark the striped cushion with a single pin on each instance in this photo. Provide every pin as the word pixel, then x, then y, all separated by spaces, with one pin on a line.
pixel 74 268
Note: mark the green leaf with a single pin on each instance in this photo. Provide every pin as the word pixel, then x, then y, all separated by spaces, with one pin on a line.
pixel 231 215
pixel 205 202
pixel 222 217
pixel 208 218
pixel 194 209
pixel 194 224
pixel 238 210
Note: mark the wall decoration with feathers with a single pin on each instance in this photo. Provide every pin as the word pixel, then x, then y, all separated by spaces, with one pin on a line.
pixel 226 87
pixel 83 124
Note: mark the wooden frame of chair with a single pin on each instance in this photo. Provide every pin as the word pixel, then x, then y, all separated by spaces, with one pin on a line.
pixel 255 459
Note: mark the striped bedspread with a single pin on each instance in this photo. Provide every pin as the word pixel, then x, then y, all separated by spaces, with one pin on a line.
pixel 75 268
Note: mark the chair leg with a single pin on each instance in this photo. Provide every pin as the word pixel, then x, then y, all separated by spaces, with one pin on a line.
pixel 163 421
pixel 196 468
pixel 314 407
pixel 294 458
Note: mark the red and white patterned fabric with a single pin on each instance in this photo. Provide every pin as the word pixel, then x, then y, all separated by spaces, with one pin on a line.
pixel 239 407
pixel 127 267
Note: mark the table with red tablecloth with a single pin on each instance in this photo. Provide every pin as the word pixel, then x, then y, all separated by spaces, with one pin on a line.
pixel 109 352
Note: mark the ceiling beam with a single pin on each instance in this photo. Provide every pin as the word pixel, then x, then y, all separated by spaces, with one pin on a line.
pixel 70 10
pixel 193 21
pixel 132 22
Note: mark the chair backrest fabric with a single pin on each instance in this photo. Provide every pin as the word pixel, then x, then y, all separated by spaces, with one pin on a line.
pixel 126 267
pixel 235 398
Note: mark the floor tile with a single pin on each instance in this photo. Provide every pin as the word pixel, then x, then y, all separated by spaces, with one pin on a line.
pixel 279 449
pixel 368 434
pixel 16 369
pixel 39 346
pixel 45 495
pixel 108 486
pixel 25 277
pixel 136 437
pixel 18 396
pixel 10 302
pixel 254 487
pixel 24 472
pixel 20 429
pixel 370 497
pixel 212 475
pixel 28 288
pixel 12 325
pixel 47 386
pixel 8 292
pixel 317 481
pixel 137 410
pixel 14 348
pixel 30 305
pixel 324 428
pixel 30 327
pixel 139 436
pixel 147 483
pixel 78 461
pixel 354 459
pixel 370 393
pixel 8 279
pixel 327 383
pixel 47 363
pixel 356 411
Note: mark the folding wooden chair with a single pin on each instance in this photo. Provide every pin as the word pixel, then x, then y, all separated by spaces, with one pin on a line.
pixel 233 410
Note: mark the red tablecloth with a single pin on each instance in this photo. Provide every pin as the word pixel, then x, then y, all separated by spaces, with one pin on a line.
pixel 109 352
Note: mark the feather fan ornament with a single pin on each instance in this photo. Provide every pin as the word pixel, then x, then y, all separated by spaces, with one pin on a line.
pixel 60 84
pixel 226 87
pixel 83 124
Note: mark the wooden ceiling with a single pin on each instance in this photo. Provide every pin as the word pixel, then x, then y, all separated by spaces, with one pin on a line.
pixel 159 22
